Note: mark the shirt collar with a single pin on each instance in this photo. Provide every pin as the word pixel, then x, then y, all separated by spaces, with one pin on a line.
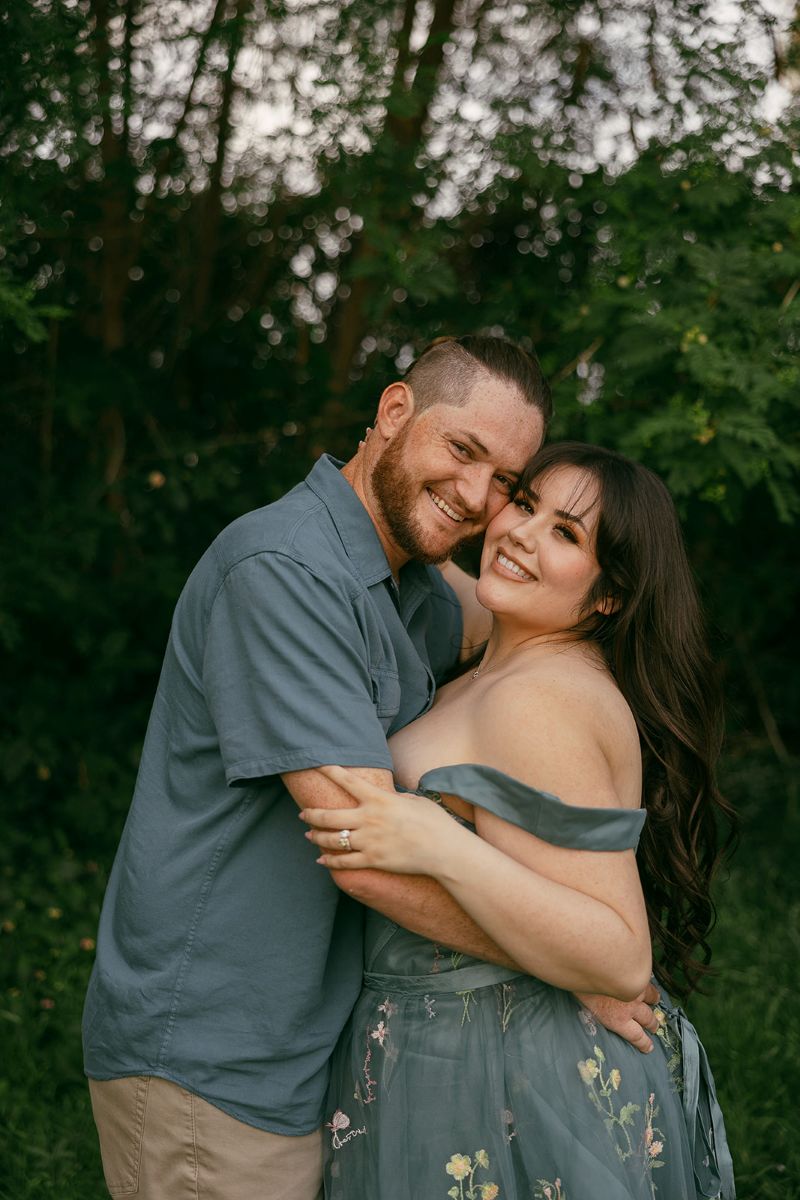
pixel 355 528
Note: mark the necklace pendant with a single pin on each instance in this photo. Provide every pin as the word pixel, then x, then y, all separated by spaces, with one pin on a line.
pixel 476 673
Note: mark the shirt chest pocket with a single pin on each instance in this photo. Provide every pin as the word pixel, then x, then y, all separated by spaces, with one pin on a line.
pixel 386 692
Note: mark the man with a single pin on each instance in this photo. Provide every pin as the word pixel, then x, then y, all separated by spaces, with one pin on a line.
pixel 310 630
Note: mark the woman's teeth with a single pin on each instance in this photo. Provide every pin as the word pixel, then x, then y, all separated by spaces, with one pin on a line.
pixel 510 565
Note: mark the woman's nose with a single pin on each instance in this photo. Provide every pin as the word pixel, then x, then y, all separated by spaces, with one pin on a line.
pixel 523 533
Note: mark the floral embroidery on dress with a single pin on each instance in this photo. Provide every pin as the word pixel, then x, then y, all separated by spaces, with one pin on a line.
pixel 467 998
pixel 463 1170
pixel 602 1088
pixel 505 1004
pixel 671 1042
pixel 376 1033
pixel 586 1018
pixel 338 1122
pixel 368 1095
pixel 545 1190
pixel 430 1006
pixel 653 1137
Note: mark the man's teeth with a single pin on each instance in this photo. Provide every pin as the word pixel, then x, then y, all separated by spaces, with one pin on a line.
pixel 439 502
pixel 512 566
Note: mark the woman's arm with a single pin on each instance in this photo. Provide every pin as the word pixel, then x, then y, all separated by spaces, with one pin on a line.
pixel 416 902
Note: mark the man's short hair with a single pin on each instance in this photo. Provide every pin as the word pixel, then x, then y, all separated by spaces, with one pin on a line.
pixel 446 371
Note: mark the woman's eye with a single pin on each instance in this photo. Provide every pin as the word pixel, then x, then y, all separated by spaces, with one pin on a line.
pixel 567 533
pixel 524 505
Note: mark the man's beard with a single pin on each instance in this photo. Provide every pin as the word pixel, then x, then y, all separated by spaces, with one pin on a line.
pixel 396 495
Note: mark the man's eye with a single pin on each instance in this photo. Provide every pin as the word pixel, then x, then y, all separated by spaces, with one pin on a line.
pixel 462 451
pixel 505 483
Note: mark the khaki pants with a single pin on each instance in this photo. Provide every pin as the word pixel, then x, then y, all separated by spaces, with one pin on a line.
pixel 160 1142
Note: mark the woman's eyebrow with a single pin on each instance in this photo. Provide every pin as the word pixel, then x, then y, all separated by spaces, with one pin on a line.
pixel 573 518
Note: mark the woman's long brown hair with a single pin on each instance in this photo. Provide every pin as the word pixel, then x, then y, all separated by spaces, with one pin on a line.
pixel 654 643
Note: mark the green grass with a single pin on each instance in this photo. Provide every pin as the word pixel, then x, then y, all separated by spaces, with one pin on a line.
pixel 49 903
pixel 49 907
pixel 749 1021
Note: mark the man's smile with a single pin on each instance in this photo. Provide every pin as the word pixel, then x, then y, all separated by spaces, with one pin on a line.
pixel 444 507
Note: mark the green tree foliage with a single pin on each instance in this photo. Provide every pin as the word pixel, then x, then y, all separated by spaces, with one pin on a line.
pixel 225 226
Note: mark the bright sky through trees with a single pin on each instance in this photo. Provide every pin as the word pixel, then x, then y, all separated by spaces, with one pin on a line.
pixel 312 78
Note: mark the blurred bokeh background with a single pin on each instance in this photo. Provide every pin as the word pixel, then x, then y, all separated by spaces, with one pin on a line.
pixel 225 226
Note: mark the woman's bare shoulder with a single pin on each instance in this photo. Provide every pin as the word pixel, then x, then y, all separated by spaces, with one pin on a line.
pixel 568 676
pixel 561 724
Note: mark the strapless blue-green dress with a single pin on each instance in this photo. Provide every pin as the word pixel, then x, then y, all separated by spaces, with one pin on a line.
pixel 456 1078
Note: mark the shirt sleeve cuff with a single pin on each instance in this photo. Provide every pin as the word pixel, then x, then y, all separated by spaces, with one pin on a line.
pixel 250 769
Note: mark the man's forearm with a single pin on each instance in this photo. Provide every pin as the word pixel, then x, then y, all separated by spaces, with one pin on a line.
pixel 424 907
pixel 413 901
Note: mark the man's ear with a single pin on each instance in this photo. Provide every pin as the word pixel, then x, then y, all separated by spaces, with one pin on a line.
pixel 395 409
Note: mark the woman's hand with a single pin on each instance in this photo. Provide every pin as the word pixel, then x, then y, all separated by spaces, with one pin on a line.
pixel 388 831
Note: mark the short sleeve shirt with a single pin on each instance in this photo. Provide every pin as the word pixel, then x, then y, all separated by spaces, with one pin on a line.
pixel 227 960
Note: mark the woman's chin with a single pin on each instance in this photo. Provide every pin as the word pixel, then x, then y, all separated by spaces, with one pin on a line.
pixel 483 591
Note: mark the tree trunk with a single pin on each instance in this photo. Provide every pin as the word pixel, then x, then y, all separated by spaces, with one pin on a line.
pixel 113 206
pixel 211 214
pixel 396 149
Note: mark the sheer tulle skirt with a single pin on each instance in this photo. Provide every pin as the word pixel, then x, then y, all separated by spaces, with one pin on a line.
pixel 477 1084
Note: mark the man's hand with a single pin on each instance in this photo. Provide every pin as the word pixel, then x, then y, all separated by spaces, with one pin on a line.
pixel 629 1019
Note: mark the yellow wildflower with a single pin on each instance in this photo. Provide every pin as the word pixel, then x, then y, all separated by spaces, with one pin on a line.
pixel 588 1069
pixel 459 1166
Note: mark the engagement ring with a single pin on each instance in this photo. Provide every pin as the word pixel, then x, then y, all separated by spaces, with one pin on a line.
pixel 344 840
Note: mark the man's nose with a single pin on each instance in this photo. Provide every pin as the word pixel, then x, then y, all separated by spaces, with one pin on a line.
pixel 473 488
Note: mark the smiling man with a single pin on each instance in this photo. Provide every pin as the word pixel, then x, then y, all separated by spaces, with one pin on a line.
pixel 448 447
pixel 311 629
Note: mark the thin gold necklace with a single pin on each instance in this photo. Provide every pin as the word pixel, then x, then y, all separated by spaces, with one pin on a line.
pixel 480 670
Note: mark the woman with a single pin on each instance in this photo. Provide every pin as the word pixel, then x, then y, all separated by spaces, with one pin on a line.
pixel 463 1079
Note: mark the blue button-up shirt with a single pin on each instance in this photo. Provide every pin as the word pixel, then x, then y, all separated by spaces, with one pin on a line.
pixel 227 960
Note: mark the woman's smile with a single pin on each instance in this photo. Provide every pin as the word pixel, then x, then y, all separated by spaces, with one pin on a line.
pixel 509 564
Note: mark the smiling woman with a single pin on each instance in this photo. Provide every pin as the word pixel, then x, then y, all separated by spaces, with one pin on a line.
pixel 591 729
pixel 539 561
